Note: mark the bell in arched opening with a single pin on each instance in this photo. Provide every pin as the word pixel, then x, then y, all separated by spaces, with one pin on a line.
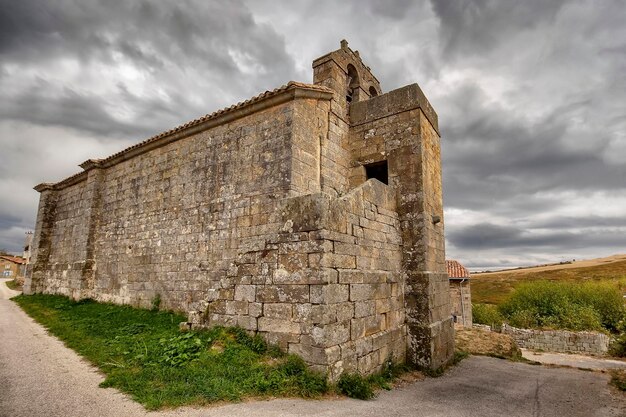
pixel 352 82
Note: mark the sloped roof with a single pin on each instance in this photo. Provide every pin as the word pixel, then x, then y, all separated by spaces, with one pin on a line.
pixel 456 270
pixel 255 99
pixel 14 259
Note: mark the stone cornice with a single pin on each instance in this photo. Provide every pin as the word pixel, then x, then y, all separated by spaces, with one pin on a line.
pixel 44 186
pixel 91 164
pixel 403 99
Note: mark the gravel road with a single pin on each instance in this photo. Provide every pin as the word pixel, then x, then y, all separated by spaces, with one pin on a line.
pixel 39 377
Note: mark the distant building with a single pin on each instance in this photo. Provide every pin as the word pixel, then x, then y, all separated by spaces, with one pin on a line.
pixel 11 266
pixel 460 293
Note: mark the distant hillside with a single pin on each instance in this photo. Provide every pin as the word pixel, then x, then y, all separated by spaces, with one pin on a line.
pixel 494 287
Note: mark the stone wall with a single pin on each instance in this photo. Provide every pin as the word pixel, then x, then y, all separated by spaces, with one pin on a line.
pixel 461 300
pixel 559 340
pixel 327 286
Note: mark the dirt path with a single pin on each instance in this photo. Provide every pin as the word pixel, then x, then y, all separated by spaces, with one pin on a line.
pixel 39 377
pixel 573 360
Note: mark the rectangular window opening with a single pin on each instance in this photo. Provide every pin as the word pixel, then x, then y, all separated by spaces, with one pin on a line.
pixel 378 170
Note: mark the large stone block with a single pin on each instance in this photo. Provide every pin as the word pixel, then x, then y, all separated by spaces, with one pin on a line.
pixel 275 325
pixel 329 293
pixel 283 294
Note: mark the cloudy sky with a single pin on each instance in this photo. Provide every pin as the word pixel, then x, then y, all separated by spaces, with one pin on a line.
pixel 531 97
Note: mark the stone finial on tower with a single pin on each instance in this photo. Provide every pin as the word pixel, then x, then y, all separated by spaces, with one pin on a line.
pixel 344 44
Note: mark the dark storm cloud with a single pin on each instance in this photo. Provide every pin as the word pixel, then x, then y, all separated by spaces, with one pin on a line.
pixel 12 230
pixel 148 31
pixel 165 41
pixel 47 104
pixel 490 152
pixel 398 10
pixel 471 27
pixel 7 221
pixel 488 236
pixel 566 222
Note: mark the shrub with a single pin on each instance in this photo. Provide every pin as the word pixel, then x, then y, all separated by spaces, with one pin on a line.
pixel 179 350
pixel 605 298
pixel 487 314
pixel 156 302
pixel 546 304
pixel 618 345
pixel 355 386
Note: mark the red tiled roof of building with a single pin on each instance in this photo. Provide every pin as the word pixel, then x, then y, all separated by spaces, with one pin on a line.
pixel 456 270
pixel 14 259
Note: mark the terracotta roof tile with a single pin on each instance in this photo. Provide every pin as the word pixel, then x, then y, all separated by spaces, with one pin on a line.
pixel 14 259
pixel 456 270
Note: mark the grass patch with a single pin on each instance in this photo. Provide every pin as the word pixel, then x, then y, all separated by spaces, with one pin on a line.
pixel 143 354
pixel 14 285
pixel 363 388
pixel 481 342
pixel 587 306
pixel 355 386
pixel 618 379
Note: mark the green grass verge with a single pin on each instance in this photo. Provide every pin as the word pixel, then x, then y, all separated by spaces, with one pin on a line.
pixel 364 388
pixel 14 285
pixel 143 354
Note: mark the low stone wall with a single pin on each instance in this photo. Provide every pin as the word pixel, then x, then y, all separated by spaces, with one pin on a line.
pixel 559 340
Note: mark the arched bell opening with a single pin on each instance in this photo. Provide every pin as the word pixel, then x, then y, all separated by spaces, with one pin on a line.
pixel 352 83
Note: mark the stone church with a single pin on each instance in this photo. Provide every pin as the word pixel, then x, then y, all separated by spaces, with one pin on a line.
pixel 311 214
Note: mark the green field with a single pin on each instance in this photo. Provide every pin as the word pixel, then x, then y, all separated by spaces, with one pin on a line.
pixel 495 287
